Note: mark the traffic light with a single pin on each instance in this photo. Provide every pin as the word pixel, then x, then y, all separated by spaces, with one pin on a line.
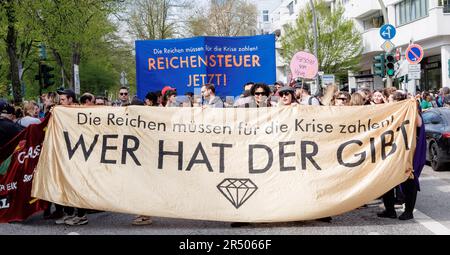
pixel 42 52
pixel 390 64
pixel 378 65
pixel 47 75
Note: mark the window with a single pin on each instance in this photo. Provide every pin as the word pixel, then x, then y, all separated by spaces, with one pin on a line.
pixel 445 4
pixel 373 22
pixel 266 16
pixel 409 10
pixel 291 8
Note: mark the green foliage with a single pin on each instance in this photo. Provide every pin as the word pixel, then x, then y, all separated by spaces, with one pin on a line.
pixel 339 44
pixel 74 32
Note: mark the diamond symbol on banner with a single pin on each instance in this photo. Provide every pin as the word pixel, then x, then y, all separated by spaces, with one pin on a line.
pixel 237 191
pixel 387 46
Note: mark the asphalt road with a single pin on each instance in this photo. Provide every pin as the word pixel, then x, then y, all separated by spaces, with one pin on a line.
pixel 432 216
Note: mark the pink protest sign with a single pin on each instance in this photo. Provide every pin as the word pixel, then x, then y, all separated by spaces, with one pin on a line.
pixel 304 65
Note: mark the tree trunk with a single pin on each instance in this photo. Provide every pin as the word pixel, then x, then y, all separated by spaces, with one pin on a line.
pixel 11 49
pixel 59 61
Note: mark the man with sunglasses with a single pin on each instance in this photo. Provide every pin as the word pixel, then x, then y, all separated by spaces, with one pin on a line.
pixel 123 97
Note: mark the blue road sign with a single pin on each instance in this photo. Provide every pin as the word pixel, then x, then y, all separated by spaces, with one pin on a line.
pixel 414 54
pixel 387 32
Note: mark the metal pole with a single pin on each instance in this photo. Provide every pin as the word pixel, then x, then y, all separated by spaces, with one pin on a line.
pixel 315 40
pixel 386 21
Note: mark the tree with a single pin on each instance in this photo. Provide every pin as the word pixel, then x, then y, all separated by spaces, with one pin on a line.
pixel 71 27
pixel 224 18
pixel 339 46
pixel 18 43
pixel 154 19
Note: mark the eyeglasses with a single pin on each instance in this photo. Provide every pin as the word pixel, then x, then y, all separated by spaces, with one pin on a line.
pixel 282 94
pixel 343 99
pixel 123 94
pixel 260 93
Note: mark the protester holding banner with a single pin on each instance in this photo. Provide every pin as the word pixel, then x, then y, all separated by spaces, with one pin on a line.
pixel 67 97
pixel 260 93
pixel 342 98
pixel 287 96
pixel 151 99
pixel 50 100
pixel 330 95
pixel 170 98
pixel 378 97
pixel 123 97
pixel 411 185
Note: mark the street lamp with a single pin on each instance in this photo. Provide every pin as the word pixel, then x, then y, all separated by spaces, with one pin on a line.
pixel 315 40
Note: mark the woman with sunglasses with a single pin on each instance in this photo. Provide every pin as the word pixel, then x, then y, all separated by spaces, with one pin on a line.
pixel 287 96
pixel 342 99
pixel 260 93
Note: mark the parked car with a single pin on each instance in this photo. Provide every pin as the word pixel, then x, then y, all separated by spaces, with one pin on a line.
pixel 437 129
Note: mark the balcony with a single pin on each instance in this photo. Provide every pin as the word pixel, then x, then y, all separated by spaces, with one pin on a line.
pixel 360 9
pixel 372 40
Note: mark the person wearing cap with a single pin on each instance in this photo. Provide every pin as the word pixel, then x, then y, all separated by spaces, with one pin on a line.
pixel 167 88
pixel 8 129
pixel 166 93
pixel 67 97
pixel 287 96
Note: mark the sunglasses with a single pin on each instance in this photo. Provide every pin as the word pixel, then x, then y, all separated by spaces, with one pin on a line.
pixel 344 99
pixel 260 93
pixel 284 94
pixel 123 94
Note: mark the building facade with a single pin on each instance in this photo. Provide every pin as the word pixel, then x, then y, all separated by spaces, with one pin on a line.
pixel 424 22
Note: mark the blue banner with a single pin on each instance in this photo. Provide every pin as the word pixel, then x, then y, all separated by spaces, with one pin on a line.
pixel 187 64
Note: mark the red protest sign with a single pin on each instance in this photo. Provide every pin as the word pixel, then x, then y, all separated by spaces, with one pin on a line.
pixel 18 159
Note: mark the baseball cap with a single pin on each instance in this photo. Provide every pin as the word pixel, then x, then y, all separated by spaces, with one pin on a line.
pixel 166 88
pixel 6 108
pixel 286 89
pixel 67 92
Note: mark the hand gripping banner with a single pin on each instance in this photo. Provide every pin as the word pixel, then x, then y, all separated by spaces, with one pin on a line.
pixel 255 165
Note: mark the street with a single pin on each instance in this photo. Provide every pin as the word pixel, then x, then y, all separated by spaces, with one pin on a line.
pixel 431 217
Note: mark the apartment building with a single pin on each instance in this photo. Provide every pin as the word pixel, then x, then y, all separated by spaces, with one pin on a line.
pixel 424 22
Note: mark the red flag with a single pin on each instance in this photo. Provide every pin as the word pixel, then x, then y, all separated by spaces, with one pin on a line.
pixel 18 160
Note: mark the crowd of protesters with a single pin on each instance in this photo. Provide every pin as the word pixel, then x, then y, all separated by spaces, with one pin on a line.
pixel 13 119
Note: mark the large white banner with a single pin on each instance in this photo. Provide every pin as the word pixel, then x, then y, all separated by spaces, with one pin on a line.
pixel 256 165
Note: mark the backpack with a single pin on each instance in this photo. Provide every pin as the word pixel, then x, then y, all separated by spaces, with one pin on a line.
pixel 311 98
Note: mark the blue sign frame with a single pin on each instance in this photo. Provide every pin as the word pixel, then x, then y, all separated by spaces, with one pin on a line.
pixel 187 64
